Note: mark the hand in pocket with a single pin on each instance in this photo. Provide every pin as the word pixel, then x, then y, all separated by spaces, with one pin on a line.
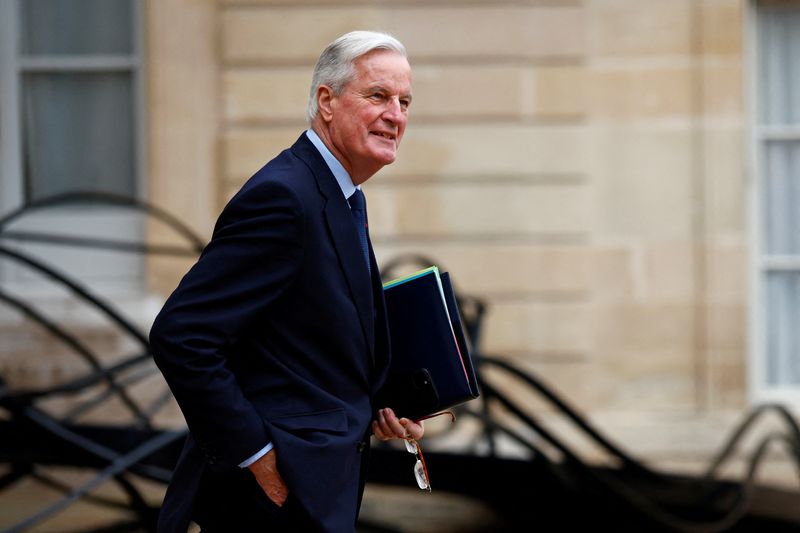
pixel 269 479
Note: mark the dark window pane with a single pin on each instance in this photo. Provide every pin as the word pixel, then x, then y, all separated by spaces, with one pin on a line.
pixel 78 133
pixel 77 26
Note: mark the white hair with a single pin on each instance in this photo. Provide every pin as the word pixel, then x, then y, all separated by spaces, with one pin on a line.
pixel 335 66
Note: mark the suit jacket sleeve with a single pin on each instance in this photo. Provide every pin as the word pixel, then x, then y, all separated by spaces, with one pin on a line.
pixel 252 258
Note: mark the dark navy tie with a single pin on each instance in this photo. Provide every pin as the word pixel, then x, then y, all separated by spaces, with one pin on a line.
pixel 358 206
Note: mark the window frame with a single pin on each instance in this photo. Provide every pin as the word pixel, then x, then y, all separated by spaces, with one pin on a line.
pixel 760 390
pixel 14 65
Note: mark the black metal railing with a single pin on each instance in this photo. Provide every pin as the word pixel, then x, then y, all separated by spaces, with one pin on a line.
pixel 546 485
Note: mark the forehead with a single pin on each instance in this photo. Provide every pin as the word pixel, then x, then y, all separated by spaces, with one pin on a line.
pixel 383 67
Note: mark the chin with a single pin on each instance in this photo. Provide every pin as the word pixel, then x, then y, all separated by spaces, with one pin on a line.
pixel 380 161
pixel 386 157
pixel 385 153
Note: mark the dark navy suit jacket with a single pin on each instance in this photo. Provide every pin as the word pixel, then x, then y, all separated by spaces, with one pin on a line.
pixel 277 334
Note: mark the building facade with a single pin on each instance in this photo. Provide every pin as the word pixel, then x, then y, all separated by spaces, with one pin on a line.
pixel 614 178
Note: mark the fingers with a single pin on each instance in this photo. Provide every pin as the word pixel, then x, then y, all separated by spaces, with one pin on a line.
pixel 269 479
pixel 382 426
pixel 415 429
pixel 387 426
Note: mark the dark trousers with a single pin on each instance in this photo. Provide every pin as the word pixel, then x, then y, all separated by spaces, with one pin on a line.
pixel 233 502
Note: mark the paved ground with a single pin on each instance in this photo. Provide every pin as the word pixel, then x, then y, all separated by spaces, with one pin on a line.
pixel 402 510
pixel 677 444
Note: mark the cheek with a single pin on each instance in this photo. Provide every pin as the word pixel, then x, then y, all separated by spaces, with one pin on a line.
pixel 401 129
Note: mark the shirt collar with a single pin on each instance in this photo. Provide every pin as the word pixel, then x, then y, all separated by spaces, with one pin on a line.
pixel 342 177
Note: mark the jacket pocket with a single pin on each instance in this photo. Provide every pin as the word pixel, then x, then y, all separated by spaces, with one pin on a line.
pixel 329 420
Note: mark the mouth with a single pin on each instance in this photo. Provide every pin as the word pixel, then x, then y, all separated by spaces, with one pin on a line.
pixel 385 135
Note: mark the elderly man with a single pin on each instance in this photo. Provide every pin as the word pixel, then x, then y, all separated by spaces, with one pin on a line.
pixel 275 342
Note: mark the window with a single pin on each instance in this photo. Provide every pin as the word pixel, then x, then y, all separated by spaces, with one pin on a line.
pixel 776 206
pixel 70 120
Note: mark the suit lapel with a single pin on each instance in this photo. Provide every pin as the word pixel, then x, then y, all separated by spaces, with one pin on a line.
pixel 381 329
pixel 345 239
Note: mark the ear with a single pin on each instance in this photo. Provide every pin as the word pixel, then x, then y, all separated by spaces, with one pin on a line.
pixel 325 98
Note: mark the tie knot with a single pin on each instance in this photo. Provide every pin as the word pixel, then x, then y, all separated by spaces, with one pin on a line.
pixel 356 201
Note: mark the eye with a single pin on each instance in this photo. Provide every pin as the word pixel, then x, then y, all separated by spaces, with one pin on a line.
pixel 378 97
pixel 404 103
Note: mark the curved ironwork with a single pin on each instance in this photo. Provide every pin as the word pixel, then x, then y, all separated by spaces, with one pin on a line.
pixel 93 197
pixel 653 500
pixel 704 504
pixel 702 493
pixel 98 374
pixel 36 437
pixel 78 290
pixel 564 408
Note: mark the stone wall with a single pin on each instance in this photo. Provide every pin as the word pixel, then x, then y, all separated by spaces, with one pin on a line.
pixel 576 164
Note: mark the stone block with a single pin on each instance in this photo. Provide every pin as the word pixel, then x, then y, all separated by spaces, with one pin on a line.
pixel 245 150
pixel 641 92
pixel 559 332
pixel 632 28
pixel 559 91
pixel 455 92
pixel 496 268
pixel 436 150
pixel 616 273
pixel 490 150
pixel 726 327
pixel 652 378
pixel 643 181
pixel 488 31
pixel 727 379
pixel 640 329
pixel 477 210
pixel 584 385
pixel 266 94
pixel 726 272
pixel 284 34
pixel 182 110
pixel 723 86
pixel 725 175
pixel 721 27
pixel 441 92
pixel 269 33
pixel 164 273
pixel 669 271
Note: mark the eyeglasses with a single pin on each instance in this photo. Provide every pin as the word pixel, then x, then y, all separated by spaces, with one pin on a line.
pixel 412 446
pixel 420 470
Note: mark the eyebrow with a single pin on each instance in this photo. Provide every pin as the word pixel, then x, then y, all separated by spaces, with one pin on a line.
pixel 382 89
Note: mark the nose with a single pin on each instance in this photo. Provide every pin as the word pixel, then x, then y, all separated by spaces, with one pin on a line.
pixel 394 110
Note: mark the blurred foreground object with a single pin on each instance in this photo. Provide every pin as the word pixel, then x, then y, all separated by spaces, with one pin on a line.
pixel 501 459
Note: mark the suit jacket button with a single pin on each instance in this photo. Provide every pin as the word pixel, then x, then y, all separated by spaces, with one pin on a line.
pixel 362 446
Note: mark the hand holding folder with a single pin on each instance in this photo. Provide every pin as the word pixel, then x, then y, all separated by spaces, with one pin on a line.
pixel 431 369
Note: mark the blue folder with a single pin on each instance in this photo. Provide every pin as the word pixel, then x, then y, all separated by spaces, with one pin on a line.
pixel 431 368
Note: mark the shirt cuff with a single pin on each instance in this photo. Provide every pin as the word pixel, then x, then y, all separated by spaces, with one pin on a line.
pixel 255 457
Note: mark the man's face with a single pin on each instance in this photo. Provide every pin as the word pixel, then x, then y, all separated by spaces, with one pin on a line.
pixel 368 119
